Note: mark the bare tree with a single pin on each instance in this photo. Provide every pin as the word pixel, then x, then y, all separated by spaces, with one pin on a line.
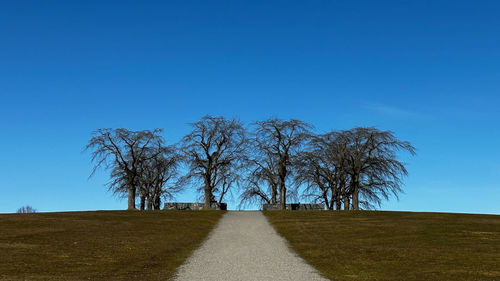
pixel 155 179
pixel 157 174
pixel 26 210
pixel 321 170
pixel 214 151
pixel 372 165
pixel 228 177
pixel 353 167
pixel 275 144
pixel 261 182
pixel 123 152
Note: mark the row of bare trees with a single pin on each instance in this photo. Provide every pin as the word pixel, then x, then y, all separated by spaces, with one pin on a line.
pixel 270 162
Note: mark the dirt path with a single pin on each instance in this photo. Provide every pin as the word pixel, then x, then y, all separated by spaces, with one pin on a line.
pixel 244 246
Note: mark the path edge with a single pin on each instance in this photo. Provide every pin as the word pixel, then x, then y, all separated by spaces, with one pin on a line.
pixel 292 250
pixel 202 242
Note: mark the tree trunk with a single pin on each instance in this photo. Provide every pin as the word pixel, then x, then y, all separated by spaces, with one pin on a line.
pixel 282 176
pixel 131 198
pixel 207 198
pixel 157 202
pixel 274 194
pixel 282 197
pixel 328 203
pixel 355 199
pixel 150 203
pixel 347 203
pixel 282 187
pixel 143 202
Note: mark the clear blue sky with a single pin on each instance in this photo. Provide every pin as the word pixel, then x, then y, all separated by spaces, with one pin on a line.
pixel 427 70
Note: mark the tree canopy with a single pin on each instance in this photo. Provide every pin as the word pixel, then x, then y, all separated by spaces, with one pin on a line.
pixel 353 168
pixel 213 152
pixel 124 152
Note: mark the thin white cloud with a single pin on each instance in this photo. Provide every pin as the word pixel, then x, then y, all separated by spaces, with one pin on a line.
pixel 392 111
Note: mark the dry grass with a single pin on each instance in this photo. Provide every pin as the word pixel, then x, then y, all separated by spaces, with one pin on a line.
pixel 104 245
pixel 369 245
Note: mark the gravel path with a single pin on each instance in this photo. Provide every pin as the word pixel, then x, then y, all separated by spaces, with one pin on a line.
pixel 244 246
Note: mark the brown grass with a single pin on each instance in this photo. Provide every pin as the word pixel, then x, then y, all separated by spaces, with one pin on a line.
pixel 104 245
pixel 373 245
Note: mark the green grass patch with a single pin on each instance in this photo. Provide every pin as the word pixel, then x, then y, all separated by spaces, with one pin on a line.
pixel 103 245
pixel 374 245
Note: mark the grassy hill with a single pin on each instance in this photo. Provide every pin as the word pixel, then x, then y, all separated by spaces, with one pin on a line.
pixel 373 245
pixel 363 245
pixel 104 245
